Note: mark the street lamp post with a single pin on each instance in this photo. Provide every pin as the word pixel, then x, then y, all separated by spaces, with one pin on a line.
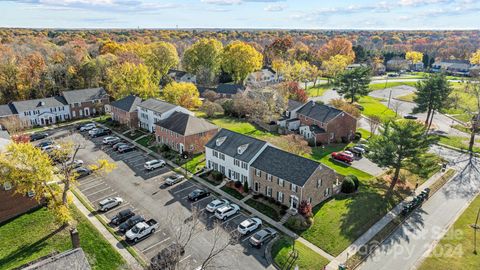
pixel 475 227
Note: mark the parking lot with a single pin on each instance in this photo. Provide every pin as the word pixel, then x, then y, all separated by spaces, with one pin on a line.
pixel 145 194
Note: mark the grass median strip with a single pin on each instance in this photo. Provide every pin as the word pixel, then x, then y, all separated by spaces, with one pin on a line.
pixel 307 258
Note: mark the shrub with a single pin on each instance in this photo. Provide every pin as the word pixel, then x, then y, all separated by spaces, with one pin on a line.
pixel 238 184
pixel 284 207
pixel 348 185
pixel 217 176
pixel 245 187
pixel 164 148
pixel 355 180
pixel 256 196
pixel 305 208
pixel 283 212
pixel 357 136
pixel 271 200
pixel 309 221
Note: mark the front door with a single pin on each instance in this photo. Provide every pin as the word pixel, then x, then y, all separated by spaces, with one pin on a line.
pixel 256 187
pixel 181 148
pixel 293 202
pixel 87 112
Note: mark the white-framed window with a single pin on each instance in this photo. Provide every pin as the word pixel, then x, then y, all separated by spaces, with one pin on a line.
pixel 269 177
pixel 222 156
pixel 293 187
pixel 74 114
pixel 215 153
pixel 269 191
pixel 310 200
pixel 332 136
pixel 258 172
pixel 244 178
pixel 222 169
pixel 7 186
pixel 326 192
pixel 281 182
pixel 319 183
pixel 280 196
pixel 236 162
pixel 244 165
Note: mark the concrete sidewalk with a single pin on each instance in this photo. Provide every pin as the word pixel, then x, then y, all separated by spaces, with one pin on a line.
pixel 131 261
pixel 377 227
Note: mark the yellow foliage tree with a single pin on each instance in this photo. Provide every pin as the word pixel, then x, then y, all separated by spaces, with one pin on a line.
pixel 240 59
pixel 182 94
pixel 127 78
pixel 335 65
pixel 475 58
pixel 414 56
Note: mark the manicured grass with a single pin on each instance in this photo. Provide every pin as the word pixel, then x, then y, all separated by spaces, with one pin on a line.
pixel 455 249
pixel 322 154
pixel 232 192
pixel 365 133
pixel 342 219
pixel 307 258
pixel 459 142
pixel 145 141
pixel 35 234
pixel 136 134
pixel 272 211
pixel 240 126
pixel 373 106
pixel 379 86
pixel 462 128
pixel 318 90
pixel 195 163
pixel 408 97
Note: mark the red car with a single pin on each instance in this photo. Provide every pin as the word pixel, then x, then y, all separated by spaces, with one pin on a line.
pixel 342 157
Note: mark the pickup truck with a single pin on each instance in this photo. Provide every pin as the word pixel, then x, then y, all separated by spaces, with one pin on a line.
pixel 141 230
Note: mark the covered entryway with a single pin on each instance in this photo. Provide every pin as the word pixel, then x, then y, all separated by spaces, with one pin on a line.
pixel 87 111
pixel 293 202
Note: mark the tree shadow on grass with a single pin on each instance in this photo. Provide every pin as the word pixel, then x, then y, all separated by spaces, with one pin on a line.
pixel 27 250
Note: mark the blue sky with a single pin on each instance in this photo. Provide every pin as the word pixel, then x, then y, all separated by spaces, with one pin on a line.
pixel 290 14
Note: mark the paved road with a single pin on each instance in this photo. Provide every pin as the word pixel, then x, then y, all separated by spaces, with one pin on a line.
pixel 410 243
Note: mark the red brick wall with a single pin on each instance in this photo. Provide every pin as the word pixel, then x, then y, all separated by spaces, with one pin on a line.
pixel 174 140
pixel 12 205
pixel 343 126
pixel 129 119
pixel 89 104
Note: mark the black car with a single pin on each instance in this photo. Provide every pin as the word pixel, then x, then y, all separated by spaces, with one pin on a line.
pixel 410 116
pixel 127 225
pixel 101 132
pixel 122 216
pixel 198 194
pixel 82 172
pixel 38 136
pixel 45 143
pixel 125 148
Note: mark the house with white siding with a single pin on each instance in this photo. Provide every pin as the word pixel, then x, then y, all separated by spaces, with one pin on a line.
pixel 43 111
pixel 153 110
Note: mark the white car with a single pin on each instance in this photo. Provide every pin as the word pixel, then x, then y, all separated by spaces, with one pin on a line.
pixel 215 204
pixel 110 203
pixel 76 163
pixel 50 147
pixel 173 179
pixel 249 225
pixel 92 131
pixel 110 139
pixel 88 127
pixel 154 164
pixel 227 211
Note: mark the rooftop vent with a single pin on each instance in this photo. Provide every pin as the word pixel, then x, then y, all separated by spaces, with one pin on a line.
pixel 242 149
pixel 220 140
pixel 41 103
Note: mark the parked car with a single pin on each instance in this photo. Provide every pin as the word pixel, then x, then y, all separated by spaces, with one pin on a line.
pixel 129 223
pixel 410 116
pixel 154 164
pixel 173 179
pixel 117 145
pixel 357 150
pixel 76 163
pixel 227 211
pixel 249 225
pixel 50 148
pixel 101 132
pixel 126 148
pixel 87 127
pixel 122 216
pixel 215 204
pixel 141 230
pixel 110 140
pixel 82 172
pixel 260 237
pixel 109 203
pixel 362 146
pixel 168 256
pixel 93 131
pixel 45 143
pixel 198 194
pixel 38 136
pixel 79 127
pixel 342 157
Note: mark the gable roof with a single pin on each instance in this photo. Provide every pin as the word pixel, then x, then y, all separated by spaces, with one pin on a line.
pixel 287 166
pixel 7 109
pixel 319 112
pixel 229 88
pixel 293 104
pixel 34 104
pixel 233 141
pixel 186 124
pixel 156 105
pixel 83 95
pixel 71 259
pixel 128 103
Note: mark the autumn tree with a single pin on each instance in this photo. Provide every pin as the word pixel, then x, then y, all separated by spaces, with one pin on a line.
pixel 278 49
pixel 475 58
pixel 204 59
pixel 161 57
pixel 292 143
pixel 414 56
pixel 337 46
pixel 293 91
pixel 335 65
pixel 182 94
pixel 349 108
pixel 354 83
pixel 211 108
pixel 240 59
pixel 399 143
pixel 130 79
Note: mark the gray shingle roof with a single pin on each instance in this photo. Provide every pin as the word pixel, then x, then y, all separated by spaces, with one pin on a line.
pixel 186 124
pixel 34 104
pixel 287 166
pixel 293 104
pixel 156 105
pixel 83 95
pixel 233 140
pixel 73 259
pixel 319 112
pixel 229 88
pixel 7 109
pixel 128 103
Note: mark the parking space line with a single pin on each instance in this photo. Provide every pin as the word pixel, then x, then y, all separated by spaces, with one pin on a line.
pixel 89 181
pixel 156 244
pixel 246 238
pixel 228 219
pixel 124 205
pixel 109 195
pixel 185 258
pixel 201 199
pixel 96 185
pixel 178 191
pixel 98 191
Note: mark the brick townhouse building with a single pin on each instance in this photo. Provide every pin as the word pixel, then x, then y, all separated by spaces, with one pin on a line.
pixel 124 111
pixel 184 133
pixel 86 102
pixel 290 179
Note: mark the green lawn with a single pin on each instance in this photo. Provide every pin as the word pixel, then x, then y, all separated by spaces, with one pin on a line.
pixel 34 235
pixel 455 249
pixel 460 142
pixel 264 208
pixel 408 97
pixel 318 90
pixel 379 86
pixel 195 163
pixel 322 154
pixel 307 258
pixel 373 106
pixel 240 126
pixel 342 219
pixel 365 133
pixel 232 192
pixel 136 134
pixel 145 141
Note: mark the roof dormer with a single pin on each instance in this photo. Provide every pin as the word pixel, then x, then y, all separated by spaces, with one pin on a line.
pixel 220 140
pixel 242 149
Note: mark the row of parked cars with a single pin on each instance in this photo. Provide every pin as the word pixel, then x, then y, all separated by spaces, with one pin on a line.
pixel 352 153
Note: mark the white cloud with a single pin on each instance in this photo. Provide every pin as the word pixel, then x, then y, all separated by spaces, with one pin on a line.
pixel 222 2
pixel 274 8
pixel 423 2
